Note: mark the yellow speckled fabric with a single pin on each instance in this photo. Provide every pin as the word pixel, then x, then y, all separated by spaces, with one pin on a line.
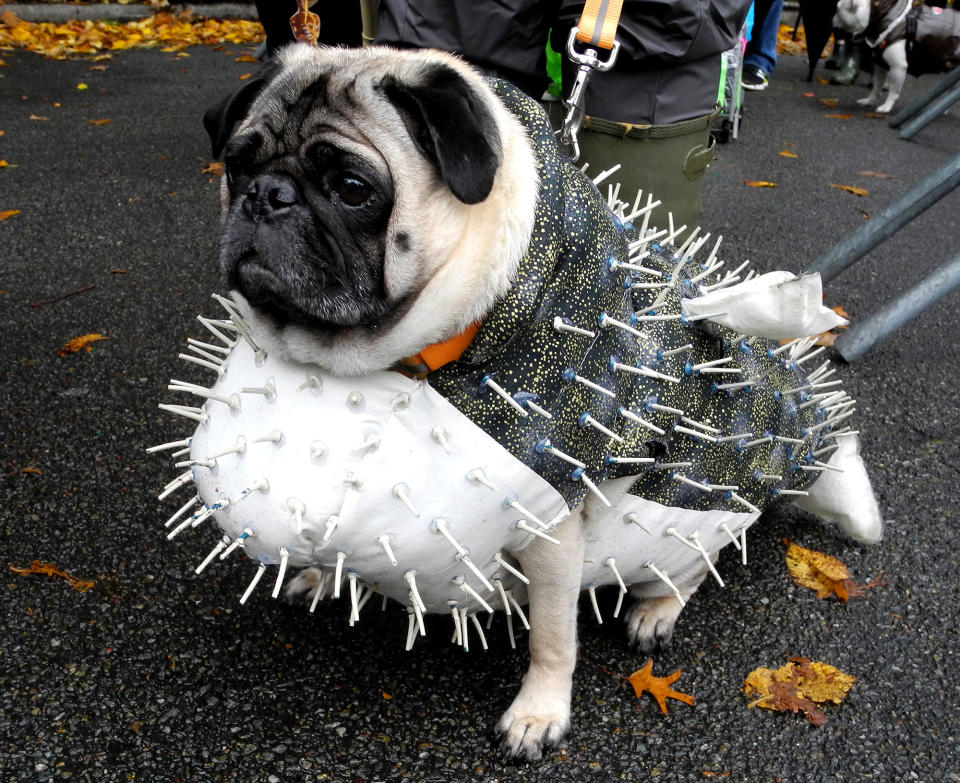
pixel 571 272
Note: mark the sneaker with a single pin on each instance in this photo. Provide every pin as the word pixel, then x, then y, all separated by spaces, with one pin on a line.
pixel 753 78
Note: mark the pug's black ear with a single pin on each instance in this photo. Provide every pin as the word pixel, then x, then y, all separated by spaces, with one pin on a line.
pixel 221 119
pixel 453 126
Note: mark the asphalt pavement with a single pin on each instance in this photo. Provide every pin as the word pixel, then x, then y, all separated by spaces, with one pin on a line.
pixel 156 674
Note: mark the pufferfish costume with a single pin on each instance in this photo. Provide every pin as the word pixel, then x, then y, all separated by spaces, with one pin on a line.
pixel 620 370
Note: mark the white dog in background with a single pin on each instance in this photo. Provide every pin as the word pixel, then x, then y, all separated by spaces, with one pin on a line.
pixel 910 39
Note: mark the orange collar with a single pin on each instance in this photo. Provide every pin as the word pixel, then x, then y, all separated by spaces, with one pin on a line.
pixel 435 356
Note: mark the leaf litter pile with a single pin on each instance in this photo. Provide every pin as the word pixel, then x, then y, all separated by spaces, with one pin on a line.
pixel 97 39
pixel 800 685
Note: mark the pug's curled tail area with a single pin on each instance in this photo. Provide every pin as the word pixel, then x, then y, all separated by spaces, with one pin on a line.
pixel 844 495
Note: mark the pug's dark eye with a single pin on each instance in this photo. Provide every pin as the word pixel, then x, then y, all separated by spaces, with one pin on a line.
pixel 352 191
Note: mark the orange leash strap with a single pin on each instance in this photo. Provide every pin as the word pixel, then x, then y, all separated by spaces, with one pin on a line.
pixel 598 23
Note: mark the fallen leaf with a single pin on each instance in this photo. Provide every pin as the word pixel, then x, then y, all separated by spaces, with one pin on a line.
pixel 79 343
pixel 118 271
pixel 830 102
pixel 215 168
pixel 758 183
pixel 822 573
pixel 838 116
pixel 5 165
pixel 851 189
pixel 104 121
pixel 798 686
pixel 644 681
pixel 842 313
pixel 39 567
pixel 39 118
pixel 826 338
pixel 244 76
pixel 822 80
pixel 83 86
pixel 8 213
pixel 808 95
pixel 30 469
pixel 247 58
pixel 788 154
pixel 876 174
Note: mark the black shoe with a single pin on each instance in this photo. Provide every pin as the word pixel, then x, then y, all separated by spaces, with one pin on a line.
pixel 754 78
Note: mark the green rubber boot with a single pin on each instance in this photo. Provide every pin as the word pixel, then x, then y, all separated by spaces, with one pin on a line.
pixel 850 69
pixel 667 161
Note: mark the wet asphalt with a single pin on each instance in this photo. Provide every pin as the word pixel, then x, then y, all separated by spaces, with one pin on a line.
pixel 156 674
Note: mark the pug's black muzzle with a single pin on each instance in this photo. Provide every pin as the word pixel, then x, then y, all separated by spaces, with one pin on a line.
pixel 294 260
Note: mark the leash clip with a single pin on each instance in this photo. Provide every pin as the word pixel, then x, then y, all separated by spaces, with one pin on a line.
pixel 587 62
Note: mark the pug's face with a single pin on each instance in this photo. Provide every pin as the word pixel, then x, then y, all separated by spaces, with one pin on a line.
pixel 357 183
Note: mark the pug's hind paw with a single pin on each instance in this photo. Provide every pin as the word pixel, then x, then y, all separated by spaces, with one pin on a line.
pixel 650 623
pixel 305 585
pixel 526 729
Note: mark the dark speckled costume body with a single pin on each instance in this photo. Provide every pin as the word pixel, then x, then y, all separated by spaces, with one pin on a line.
pixel 573 271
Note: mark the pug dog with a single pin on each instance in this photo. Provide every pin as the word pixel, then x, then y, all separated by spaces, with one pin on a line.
pixel 378 202
pixel 905 39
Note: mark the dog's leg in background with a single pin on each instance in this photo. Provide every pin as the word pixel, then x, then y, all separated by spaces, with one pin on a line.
pixel 651 619
pixel 540 714
pixel 876 89
pixel 895 56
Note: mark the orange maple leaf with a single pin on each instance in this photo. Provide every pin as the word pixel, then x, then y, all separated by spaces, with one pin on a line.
pixel 643 680
pixel 79 343
pixel 39 567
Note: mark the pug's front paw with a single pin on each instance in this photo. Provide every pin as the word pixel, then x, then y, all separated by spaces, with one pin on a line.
pixel 532 724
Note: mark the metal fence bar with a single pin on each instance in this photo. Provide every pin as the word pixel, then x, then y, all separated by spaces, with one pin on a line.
pixel 937 107
pixel 884 321
pixel 940 86
pixel 888 221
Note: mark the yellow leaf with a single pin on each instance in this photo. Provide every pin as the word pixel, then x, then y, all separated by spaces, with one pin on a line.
pixel 104 121
pixel 79 343
pixel 798 686
pixel 822 573
pixel 83 86
pixel 644 681
pixel 758 183
pixel 788 154
pixel 851 189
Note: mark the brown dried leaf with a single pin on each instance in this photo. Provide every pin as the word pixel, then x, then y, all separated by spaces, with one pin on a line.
pixel 851 189
pixel 79 343
pixel 876 174
pixel 643 680
pixel 798 686
pixel 39 567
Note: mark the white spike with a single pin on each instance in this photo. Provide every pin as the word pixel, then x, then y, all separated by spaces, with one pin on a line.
pixel 695 537
pixel 666 580
pixel 629 460
pixel 217 368
pixel 681 349
pixel 611 563
pixel 411 631
pixel 213 553
pixel 232 402
pixel 633 519
pixel 189 505
pixel 476 624
pixel 592 385
pixel 606 173
pixel 743 502
pixel 200 349
pixel 522 525
pixel 457 630
pixel 552 450
pixel 581 475
pixel 354 598
pixel 513 501
pixel 237 542
pixel 410 577
pixel 330 528
pixel 695 433
pixel 173 486
pixel 253 583
pixel 723 528
pixel 212 326
pixel 176 444
pixel 499 390
pixel 519 611
pixel 690 482
pixel 187 411
pixel 319 591
pixel 462 583
pixel 592 591
pixel 501 561
pixel 503 595
pixel 479 478
pixel 338 574
pixel 562 326
pixel 281 572
pixel 628 414
pixel 586 420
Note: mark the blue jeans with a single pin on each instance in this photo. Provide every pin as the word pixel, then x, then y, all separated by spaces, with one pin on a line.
pixel 762 47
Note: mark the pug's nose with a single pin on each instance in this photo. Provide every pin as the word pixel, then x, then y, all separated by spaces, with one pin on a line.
pixel 270 195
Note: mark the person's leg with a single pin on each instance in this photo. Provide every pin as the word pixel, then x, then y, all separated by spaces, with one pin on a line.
pixel 762 47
